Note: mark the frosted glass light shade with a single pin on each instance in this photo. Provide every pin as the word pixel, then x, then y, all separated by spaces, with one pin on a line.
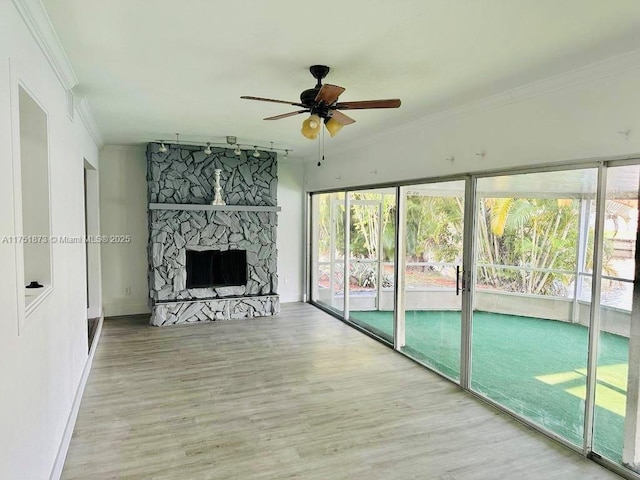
pixel 333 127
pixel 314 121
pixel 308 130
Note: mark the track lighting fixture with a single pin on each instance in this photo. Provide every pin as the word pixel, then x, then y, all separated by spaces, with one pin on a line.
pixel 231 143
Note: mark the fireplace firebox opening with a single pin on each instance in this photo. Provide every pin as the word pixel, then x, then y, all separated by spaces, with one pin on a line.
pixel 216 268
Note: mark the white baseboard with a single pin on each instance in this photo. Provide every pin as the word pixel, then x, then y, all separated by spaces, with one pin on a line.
pixel 292 299
pixel 58 465
pixel 114 310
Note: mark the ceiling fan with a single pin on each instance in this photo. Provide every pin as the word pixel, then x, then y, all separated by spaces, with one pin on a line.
pixel 322 103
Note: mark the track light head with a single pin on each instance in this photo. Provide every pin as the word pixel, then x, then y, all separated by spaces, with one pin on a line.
pixel 163 148
pixel 256 153
pixel 207 150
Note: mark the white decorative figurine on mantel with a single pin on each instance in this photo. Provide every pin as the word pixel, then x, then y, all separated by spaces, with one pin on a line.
pixel 217 189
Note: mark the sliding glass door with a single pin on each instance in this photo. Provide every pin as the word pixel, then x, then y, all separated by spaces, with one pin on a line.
pixel 371 260
pixel 328 259
pixel 616 428
pixel 432 265
pixel 544 321
pixel 529 345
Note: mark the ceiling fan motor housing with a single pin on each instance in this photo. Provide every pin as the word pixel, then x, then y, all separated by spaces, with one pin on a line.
pixel 308 97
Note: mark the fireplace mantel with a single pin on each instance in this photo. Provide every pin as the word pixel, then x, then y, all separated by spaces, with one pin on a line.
pixel 222 208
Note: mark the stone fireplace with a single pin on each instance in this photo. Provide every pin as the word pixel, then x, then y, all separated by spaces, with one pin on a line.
pixel 181 220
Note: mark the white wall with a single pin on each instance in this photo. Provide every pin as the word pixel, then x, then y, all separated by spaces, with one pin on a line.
pixel 290 231
pixel 41 364
pixel 537 124
pixel 123 211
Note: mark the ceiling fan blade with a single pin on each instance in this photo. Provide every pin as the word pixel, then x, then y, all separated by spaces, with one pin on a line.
pixel 341 118
pixel 285 115
pixel 272 100
pixel 389 103
pixel 329 94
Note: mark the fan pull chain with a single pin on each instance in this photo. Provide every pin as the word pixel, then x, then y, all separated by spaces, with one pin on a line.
pixel 319 161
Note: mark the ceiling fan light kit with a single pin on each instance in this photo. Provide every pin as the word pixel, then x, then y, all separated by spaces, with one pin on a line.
pixel 333 126
pixel 311 127
pixel 322 103
pixel 314 121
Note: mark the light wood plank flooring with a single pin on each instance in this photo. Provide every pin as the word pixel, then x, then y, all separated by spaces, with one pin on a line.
pixel 300 395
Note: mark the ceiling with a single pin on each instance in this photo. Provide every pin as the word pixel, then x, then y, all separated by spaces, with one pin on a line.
pixel 150 68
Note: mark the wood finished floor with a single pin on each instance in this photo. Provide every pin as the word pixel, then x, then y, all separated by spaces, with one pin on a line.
pixel 300 395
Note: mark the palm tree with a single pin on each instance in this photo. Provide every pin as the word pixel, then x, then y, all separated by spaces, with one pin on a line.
pixel 537 234
pixel 523 244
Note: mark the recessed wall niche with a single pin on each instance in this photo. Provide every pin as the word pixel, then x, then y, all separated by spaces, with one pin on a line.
pixel 34 184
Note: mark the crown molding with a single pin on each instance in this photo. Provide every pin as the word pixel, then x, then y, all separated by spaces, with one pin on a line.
pixel 39 24
pixel 84 111
pixel 591 72
pixel 35 17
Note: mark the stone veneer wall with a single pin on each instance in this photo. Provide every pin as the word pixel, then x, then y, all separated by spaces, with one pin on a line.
pixel 172 232
pixel 184 175
pixel 210 310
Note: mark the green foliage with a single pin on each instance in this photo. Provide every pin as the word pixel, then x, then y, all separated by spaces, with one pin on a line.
pixel 536 234
pixel 365 219
pixel 330 211
pixel 525 245
pixel 363 274
pixel 434 228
